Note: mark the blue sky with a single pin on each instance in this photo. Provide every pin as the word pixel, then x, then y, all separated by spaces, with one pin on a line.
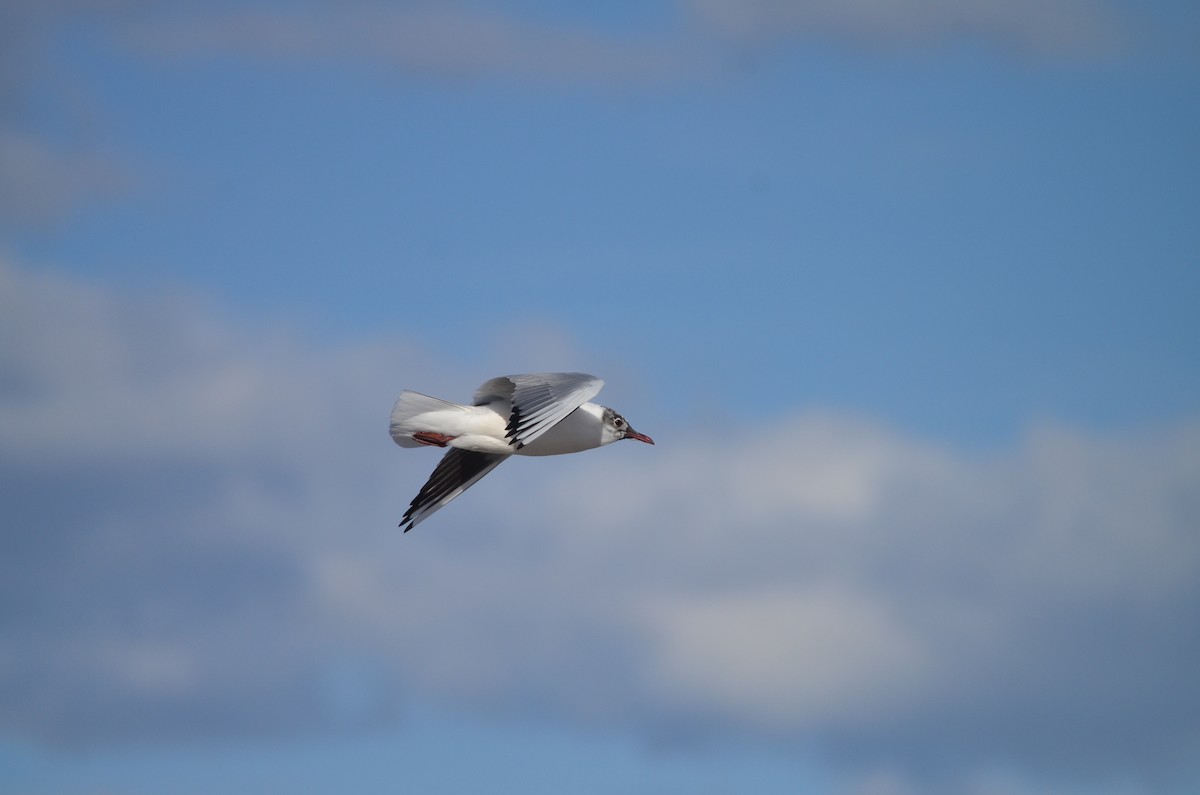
pixel 904 290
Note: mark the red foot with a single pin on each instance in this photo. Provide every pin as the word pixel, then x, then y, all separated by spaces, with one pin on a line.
pixel 431 438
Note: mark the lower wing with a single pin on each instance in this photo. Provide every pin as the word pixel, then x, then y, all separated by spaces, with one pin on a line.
pixel 455 473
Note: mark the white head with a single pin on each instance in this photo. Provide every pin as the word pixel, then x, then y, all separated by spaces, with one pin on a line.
pixel 615 427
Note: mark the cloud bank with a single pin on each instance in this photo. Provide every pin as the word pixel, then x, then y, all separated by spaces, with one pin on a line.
pixel 663 44
pixel 1058 27
pixel 200 541
pixel 45 176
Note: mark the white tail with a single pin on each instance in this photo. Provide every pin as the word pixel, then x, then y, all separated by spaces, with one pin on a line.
pixel 409 406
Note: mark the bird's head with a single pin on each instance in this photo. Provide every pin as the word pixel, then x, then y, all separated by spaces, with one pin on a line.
pixel 617 427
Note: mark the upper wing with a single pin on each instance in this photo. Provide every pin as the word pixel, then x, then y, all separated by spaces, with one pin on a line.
pixel 455 473
pixel 539 400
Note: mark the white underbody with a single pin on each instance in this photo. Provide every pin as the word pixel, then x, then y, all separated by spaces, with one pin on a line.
pixel 482 429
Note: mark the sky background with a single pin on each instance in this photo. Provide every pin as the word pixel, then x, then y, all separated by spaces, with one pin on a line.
pixel 904 290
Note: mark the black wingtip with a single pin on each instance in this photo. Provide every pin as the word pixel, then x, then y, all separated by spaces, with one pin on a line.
pixel 514 424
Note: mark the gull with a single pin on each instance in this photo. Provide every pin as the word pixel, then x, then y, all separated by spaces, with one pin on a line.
pixel 534 414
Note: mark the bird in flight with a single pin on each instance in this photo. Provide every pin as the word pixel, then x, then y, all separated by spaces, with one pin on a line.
pixel 537 414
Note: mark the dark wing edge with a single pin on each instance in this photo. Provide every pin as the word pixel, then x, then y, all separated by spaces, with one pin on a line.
pixel 458 471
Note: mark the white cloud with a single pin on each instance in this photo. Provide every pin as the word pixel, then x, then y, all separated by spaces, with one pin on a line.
pixel 40 182
pixel 149 667
pixel 464 40
pixel 793 657
pixel 439 39
pixel 1035 26
pixel 42 178
pixel 200 534
pixel 96 376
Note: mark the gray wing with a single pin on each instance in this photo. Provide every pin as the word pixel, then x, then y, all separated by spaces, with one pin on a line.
pixel 539 400
pixel 458 471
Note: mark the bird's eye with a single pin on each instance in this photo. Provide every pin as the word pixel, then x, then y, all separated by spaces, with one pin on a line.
pixel 619 422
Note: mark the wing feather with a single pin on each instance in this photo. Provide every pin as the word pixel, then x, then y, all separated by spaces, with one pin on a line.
pixel 539 400
pixel 455 473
